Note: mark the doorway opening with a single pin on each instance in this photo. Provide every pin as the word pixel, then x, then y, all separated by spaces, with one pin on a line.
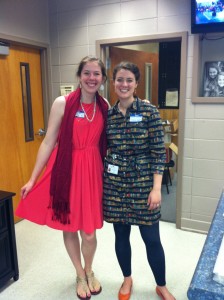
pixel 133 49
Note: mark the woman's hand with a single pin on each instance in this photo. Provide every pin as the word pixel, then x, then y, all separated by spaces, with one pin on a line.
pixel 26 189
pixel 154 199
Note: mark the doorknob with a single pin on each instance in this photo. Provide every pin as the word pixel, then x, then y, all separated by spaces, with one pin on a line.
pixel 40 132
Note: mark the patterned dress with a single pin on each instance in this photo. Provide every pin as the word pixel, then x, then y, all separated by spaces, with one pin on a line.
pixel 136 151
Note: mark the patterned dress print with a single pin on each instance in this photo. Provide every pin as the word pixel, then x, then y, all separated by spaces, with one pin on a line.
pixel 136 151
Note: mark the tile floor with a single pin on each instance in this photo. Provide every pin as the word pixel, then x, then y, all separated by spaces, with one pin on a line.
pixel 47 273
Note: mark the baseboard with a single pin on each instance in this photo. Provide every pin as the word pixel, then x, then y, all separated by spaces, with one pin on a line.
pixel 195 226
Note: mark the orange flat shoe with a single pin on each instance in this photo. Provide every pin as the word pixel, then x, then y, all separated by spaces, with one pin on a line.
pixel 124 296
pixel 160 294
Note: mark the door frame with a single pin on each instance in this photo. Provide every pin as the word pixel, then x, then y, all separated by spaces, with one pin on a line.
pixel 101 51
pixel 45 67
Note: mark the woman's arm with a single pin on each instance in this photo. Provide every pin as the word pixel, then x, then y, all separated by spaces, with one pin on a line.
pixel 48 144
pixel 158 158
pixel 155 196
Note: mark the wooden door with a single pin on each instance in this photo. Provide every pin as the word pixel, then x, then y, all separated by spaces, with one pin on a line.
pixel 17 152
pixel 140 58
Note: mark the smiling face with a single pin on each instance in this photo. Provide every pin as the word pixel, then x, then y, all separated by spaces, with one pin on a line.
pixel 213 72
pixel 125 85
pixel 91 77
pixel 221 80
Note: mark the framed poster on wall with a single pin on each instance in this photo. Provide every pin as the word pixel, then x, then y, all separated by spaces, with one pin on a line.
pixel 213 81
pixel 202 61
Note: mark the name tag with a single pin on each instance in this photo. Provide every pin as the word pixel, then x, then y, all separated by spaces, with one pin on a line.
pixel 80 114
pixel 112 169
pixel 135 118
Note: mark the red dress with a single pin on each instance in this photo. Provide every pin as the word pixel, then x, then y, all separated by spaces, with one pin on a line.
pixel 86 181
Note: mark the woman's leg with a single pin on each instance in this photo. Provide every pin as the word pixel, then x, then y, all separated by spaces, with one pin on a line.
pixel 155 252
pixel 88 249
pixel 72 245
pixel 156 257
pixel 123 252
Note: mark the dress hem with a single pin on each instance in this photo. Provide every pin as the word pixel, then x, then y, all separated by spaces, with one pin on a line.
pixel 61 229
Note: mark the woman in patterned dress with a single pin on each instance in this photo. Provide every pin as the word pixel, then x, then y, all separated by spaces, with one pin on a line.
pixel 133 172
pixel 68 196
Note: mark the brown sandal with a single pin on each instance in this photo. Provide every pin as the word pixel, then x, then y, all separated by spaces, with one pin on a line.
pixel 93 282
pixel 83 282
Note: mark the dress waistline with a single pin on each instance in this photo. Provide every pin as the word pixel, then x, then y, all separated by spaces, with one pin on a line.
pixel 85 148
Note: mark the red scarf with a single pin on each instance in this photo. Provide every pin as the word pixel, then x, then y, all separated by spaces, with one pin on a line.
pixel 61 172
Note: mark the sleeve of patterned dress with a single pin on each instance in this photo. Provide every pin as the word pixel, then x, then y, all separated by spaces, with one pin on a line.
pixel 157 146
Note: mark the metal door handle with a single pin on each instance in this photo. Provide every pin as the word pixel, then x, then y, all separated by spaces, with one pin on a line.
pixel 40 132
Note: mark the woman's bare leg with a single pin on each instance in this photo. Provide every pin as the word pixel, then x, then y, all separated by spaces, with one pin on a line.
pixel 88 249
pixel 72 245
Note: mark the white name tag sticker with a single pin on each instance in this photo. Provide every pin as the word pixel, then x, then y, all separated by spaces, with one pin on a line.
pixel 135 118
pixel 112 169
pixel 80 114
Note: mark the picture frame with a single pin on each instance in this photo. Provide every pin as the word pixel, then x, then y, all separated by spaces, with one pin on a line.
pixel 213 80
pixel 198 71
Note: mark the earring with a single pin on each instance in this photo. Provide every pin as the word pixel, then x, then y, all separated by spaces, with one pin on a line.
pixel 80 85
pixel 101 87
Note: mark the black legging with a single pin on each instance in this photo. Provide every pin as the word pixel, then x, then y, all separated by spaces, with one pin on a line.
pixel 154 250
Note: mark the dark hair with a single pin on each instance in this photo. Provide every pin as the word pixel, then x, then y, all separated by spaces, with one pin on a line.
pixel 214 66
pixel 91 58
pixel 126 65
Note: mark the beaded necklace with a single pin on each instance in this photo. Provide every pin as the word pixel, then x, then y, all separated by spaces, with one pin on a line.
pixel 94 110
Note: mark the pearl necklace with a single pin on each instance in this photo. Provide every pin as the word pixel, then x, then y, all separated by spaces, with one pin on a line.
pixel 94 110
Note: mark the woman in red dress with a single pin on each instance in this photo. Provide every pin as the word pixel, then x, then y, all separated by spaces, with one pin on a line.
pixel 68 196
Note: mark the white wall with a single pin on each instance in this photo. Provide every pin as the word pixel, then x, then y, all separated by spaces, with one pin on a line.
pixel 27 19
pixel 74 28
pixel 75 25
